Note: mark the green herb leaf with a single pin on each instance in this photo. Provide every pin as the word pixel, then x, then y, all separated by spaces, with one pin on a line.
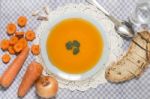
pixel 76 50
pixel 76 43
pixel 69 45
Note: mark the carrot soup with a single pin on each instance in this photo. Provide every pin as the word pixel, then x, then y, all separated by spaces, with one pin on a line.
pixel 74 45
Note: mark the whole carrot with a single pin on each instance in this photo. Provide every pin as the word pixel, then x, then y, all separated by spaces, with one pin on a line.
pixel 33 72
pixel 14 68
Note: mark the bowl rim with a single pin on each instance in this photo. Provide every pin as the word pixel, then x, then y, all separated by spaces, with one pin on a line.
pixel 56 71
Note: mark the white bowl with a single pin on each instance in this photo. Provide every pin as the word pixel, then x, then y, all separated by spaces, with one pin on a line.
pixel 101 63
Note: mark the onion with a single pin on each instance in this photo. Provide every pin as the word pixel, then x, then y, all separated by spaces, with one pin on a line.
pixel 46 87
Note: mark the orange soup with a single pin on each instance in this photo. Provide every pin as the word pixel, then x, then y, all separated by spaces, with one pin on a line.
pixel 74 45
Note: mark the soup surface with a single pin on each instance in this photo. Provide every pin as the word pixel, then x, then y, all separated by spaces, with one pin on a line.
pixel 89 40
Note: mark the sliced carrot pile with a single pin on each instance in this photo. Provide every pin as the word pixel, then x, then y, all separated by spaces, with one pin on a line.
pixel 18 47
pixel 11 28
pixel 22 21
pixel 4 44
pixel 35 49
pixel 24 42
pixel 18 39
pixel 19 34
pixel 11 50
pixel 13 40
pixel 30 35
pixel 5 58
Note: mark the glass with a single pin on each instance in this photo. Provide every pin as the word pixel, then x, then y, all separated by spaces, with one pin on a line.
pixel 141 15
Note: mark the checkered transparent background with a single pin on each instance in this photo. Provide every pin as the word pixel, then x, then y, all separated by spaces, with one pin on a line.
pixel 134 89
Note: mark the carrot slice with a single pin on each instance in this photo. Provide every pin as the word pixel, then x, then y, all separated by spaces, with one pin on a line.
pixel 30 35
pixel 35 49
pixel 11 50
pixel 13 40
pixel 11 28
pixel 4 44
pixel 18 47
pixel 13 69
pixel 5 58
pixel 22 21
pixel 24 42
pixel 19 34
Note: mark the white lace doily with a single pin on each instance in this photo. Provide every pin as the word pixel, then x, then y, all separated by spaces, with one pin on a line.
pixel 115 42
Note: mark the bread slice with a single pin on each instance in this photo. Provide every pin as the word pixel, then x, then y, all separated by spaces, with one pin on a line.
pixel 133 63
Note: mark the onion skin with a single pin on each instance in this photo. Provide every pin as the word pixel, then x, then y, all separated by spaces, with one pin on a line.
pixel 46 87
